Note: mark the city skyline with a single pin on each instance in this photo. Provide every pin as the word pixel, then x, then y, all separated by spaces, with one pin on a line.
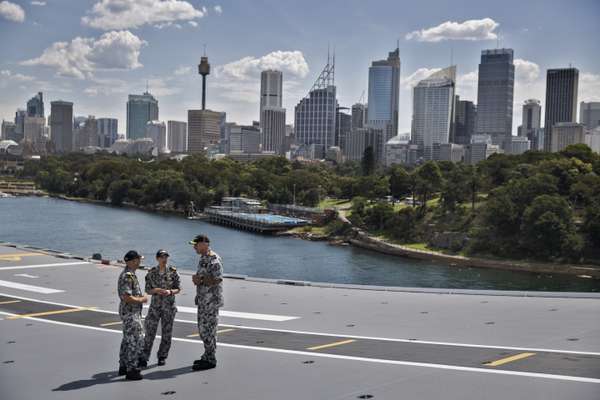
pixel 106 56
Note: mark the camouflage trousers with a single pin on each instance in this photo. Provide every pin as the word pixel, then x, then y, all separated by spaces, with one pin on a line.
pixel 132 345
pixel 208 319
pixel 165 316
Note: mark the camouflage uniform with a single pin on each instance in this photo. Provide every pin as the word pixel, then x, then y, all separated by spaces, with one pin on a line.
pixel 132 345
pixel 162 308
pixel 208 300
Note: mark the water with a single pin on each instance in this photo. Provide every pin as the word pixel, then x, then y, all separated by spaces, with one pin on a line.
pixel 85 229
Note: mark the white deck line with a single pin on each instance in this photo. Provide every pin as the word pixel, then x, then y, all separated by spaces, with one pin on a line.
pixel 29 288
pixel 352 358
pixel 41 265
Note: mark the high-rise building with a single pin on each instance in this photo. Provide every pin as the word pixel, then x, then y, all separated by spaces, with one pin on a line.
pixel 565 134
pixel 518 145
pixel 433 105
pixel 177 133
pixel 61 125
pixel 8 131
pixel 359 139
pixel 495 91
pixel 479 151
pixel 561 100
pixel 35 106
pixel 20 124
pixel 204 130
pixel 314 115
pixel 157 131
pixel 272 129
pixel 589 115
pixel 343 125
pixel 384 94
pixel 451 152
pixel 271 90
pixel 34 132
pixel 244 139
pixel 465 115
pixel 108 129
pixel 140 110
pixel 359 115
pixel 86 134
pixel 531 122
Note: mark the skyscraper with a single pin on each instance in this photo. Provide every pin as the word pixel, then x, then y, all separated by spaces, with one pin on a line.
pixel 384 92
pixel 495 91
pixel 561 100
pixel 204 130
pixel 433 105
pixel 359 115
pixel 61 125
pixel 20 124
pixel 157 131
pixel 465 115
pixel 35 106
pixel 108 129
pixel 272 129
pixel 177 133
pixel 531 122
pixel 140 110
pixel 565 134
pixel 343 125
pixel 589 115
pixel 314 115
pixel 271 90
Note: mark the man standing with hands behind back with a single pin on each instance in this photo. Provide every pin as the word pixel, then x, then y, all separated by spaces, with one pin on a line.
pixel 209 298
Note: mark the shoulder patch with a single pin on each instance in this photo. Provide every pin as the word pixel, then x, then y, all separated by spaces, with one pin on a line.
pixel 172 268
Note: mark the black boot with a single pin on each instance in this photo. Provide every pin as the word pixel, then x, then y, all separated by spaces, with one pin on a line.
pixel 134 375
pixel 142 363
pixel 122 370
pixel 203 365
pixel 162 361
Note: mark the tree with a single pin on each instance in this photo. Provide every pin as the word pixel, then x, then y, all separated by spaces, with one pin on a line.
pixel 547 229
pixel 429 180
pixel 118 190
pixel 591 223
pixel 368 161
pixel 399 181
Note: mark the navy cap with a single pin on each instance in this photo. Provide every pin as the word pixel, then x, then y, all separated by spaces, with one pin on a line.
pixel 161 253
pixel 132 255
pixel 200 239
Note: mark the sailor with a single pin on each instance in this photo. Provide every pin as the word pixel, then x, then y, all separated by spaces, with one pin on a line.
pixel 209 298
pixel 162 282
pixel 130 311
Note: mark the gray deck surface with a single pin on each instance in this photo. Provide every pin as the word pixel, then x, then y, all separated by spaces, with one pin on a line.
pixel 388 344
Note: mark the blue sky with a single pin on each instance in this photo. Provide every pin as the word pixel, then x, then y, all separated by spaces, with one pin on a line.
pixel 95 52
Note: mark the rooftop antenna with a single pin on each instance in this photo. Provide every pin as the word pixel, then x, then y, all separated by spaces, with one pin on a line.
pixel 147 86
pixel 204 53
pixel 204 70
pixel 451 56
pixel 398 44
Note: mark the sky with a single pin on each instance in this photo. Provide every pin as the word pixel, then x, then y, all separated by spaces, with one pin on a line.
pixel 96 52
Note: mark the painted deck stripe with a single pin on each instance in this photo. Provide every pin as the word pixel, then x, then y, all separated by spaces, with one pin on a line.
pixel 29 288
pixel 352 358
pixel 193 335
pixel 112 323
pixel 337 335
pixel 219 331
pixel 46 313
pixel 14 267
pixel 10 302
pixel 242 315
pixel 510 359
pixel 28 276
pixel 334 344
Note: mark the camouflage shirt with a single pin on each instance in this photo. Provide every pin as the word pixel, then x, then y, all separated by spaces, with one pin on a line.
pixel 128 284
pixel 210 296
pixel 166 280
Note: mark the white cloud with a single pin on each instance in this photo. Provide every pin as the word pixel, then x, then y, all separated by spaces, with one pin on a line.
pixel 38 3
pixel 589 87
pixel 125 14
pixel 193 23
pixel 218 10
pixel 413 79
pixel 7 74
pixel 526 71
pixel 11 11
pixel 473 29
pixel 183 70
pixel 289 62
pixel 82 56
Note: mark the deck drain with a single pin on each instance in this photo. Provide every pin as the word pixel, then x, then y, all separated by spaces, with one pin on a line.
pixel 424 312
pixel 8 362
pixel 412 339
pixel 553 309
pixel 572 339
pixel 490 323
pixel 260 341
pixel 168 393
pixel 11 342
pixel 483 302
pixel 365 396
pixel 317 312
pixel 308 362
pixel 350 325
pixel 28 324
pixel 283 304
pixel 384 302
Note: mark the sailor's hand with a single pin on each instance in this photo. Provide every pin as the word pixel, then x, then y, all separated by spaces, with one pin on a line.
pixel 197 279
pixel 144 299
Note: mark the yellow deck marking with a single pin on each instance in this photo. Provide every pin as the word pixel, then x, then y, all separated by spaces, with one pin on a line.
pixel 112 323
pixel 45 313
pixel 506 360
pixel 10 301
pixel 221 331
pixel 17 256
pixel 326 346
